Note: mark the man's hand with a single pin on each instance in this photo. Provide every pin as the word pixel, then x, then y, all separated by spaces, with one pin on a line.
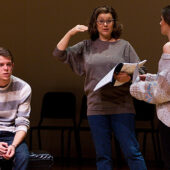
pixel 3 148
pixel 18 138
pixel 10 152
pixel 122 77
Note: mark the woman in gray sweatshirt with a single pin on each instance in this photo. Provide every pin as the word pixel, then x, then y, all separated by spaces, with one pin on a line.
pixel 110 109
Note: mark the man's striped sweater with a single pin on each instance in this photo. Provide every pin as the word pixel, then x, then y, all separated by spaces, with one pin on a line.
pixel 15 106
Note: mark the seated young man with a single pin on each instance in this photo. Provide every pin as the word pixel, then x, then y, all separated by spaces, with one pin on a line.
pixel 15 96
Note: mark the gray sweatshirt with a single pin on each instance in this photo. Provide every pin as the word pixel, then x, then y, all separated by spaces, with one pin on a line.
pixel 94 59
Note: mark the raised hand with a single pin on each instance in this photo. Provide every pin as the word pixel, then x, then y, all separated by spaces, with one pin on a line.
pixel 63 43
pixel 78 28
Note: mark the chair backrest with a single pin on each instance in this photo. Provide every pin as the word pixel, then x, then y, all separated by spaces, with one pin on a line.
pixel 144 111
pixel 59 105
pixel 83 110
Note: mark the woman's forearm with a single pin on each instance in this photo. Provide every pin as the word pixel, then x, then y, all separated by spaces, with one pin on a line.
pixel 63 43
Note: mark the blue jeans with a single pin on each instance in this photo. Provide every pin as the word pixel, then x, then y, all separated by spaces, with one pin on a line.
pixel 21 157
pixel 123 126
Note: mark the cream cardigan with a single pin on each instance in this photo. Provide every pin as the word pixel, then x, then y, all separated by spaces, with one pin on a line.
pixel 156 89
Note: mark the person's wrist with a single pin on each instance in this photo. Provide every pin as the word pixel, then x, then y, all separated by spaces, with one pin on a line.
pixel 71 33
pixel 14 146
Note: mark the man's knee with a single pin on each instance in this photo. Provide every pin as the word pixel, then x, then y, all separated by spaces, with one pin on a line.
pixel 22 156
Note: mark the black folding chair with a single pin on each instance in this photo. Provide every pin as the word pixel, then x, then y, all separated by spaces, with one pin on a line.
pixel 57 106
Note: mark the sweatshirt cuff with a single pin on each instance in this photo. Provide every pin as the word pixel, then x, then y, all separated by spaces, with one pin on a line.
pixel 21 128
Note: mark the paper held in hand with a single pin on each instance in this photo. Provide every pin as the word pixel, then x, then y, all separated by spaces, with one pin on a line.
pixel 121 67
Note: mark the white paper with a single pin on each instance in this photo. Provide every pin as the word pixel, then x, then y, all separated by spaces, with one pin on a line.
pixel 127 67
pixel 105 80
pixel 135 74
pixel 130 67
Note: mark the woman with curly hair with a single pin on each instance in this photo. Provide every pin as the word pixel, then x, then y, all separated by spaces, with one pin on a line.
pixel 110 109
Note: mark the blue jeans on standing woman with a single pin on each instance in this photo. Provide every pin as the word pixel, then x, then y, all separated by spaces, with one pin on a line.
pixel 21 157
pixel 123 127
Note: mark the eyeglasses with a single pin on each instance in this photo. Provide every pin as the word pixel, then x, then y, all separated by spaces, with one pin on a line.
pixel 102 22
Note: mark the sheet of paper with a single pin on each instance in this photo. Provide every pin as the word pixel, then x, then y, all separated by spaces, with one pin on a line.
pixel 130 67
pixel 135 74
pixel 127 67
pixel 105 80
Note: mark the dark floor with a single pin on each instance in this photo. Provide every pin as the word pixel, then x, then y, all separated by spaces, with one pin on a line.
pixel 89 164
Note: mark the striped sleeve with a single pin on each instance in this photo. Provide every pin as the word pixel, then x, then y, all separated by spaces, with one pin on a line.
pixel 23 113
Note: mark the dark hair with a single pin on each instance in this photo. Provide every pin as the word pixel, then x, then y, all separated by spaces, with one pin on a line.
pixel 166 14
pixel 6 53
pixel 117 28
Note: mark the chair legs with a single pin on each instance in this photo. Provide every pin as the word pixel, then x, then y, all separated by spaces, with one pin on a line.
pixel 144 143
pixel 39 138
pixel 62 141
pixel 31 136
pixel 30 139
pixel 154 147
pixel 69 143
pixel 78 146
pixel 159 146
pixel 155 144
pixel 69 146
pixel 62 146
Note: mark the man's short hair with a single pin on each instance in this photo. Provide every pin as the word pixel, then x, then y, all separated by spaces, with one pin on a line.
pixel 6 53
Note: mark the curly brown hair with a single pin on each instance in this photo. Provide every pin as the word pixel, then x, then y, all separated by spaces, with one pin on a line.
pixel 117 28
